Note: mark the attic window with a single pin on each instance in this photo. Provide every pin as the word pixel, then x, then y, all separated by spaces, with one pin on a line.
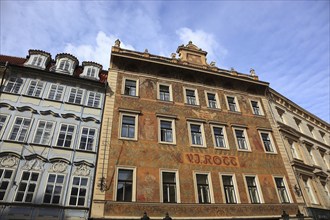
pixel 36 61
pixel 91 72
pixel 65 65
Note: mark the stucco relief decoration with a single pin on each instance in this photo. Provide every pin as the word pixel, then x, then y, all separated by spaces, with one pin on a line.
pixel 8 161
pixel 82 170
pixel 34 164
pixel 59 167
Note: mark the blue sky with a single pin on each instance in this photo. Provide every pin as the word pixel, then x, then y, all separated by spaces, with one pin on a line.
pixel 286 42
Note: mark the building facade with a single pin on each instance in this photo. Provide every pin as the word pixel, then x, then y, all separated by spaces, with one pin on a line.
pixel 189 139
pixel 307 142
pixel 50 117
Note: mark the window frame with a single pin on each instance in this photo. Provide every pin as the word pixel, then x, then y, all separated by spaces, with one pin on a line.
pixel 169 90
pixel 4 124
pixel 87 187
pixel 209 179
pixel 35 192
pixel 136 87
pixel 286 189
pixel 223 127
pixel 271 140
pixel 136 116
pixel 36 88
pixel 56 92
pixel 72 139
pixel 94 97
pixel 54 184
pixel 14 86
pixel 195 93
pixel 189 123
pixel 216 100
pixel 43 132
pixel 261 111
pixel 258 188
pixel 10 181
pixel 310 191
pixel 177 185
pixel 133 182
pixel 67 65
pixel 86 144
pixel 75 96
pixel 27 133
pixel 247 142
pixel 237 108
pixel 172 120
pixel 233 178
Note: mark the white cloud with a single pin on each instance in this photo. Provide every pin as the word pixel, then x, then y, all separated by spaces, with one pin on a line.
pixel 99 53
pixel 203 40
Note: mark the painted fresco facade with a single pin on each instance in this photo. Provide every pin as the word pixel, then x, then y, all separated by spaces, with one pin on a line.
pixel 50 115
pixel 306 140
pixel 189 139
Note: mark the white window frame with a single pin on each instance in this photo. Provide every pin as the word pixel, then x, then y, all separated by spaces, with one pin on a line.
pixel 247 142
pixel 261 111
pixel 27 186
pixel 172 121
pixel 209 179
pixel 54 184
pixel 136 116
pixel 73 135
pixel 235 102
pixel 133 182
pixel 96 101
pixel 86 144
pixel 37 88
pixel 67 65
pixel 294 150
pixel 224 136
pixel 76 94
pixel 10 181
pixel 233 176
pixel 189 123
pixel 185 96
pixel 177 185
pixel 87 187
pixel 216 99
pixel 136 86
pixel 37 60
pixel 256 179
pixel 50 131
pixel 286 189
pixel 272 143
pixel 27 132
pixel 15 85
pixel 56 92
pixel 309 189
pixel 4 124
pixel 169 90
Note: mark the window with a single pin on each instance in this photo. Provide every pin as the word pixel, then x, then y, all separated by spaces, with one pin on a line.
pixel 164 92
pixel 196 131
pixel 20 129
pixel 53 189
pixel 256 108
pixel 310 191
pixel 268 142
pixel 5 180
pixel 66 135
pixel 219 136
pixel 298 123
pixel 229 189
pixel 35 88
pixel 128 126
pixel 311 156
pixel 13 85
pixel 3 121
pixel 241 139
pixel 311 130
pixel 232 106
pixel 36 61
pixel 56 92
pixel 191 96
pixel 169 187
pixel 167 131
pixel 252 189
pixel 27 187
pixel 44 132
pixel 91 72
pixel 125 185
pixel 94 99
pixel 65 65
pixel 78 191
pixel 76 96
pixel 203 188
pixel 212 100
pixel 281 190
pixel 87 139
pixel 130 87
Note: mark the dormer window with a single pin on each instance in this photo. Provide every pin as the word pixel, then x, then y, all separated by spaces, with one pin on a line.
pixel 91 70
pixel 64 65
pixel 37 59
